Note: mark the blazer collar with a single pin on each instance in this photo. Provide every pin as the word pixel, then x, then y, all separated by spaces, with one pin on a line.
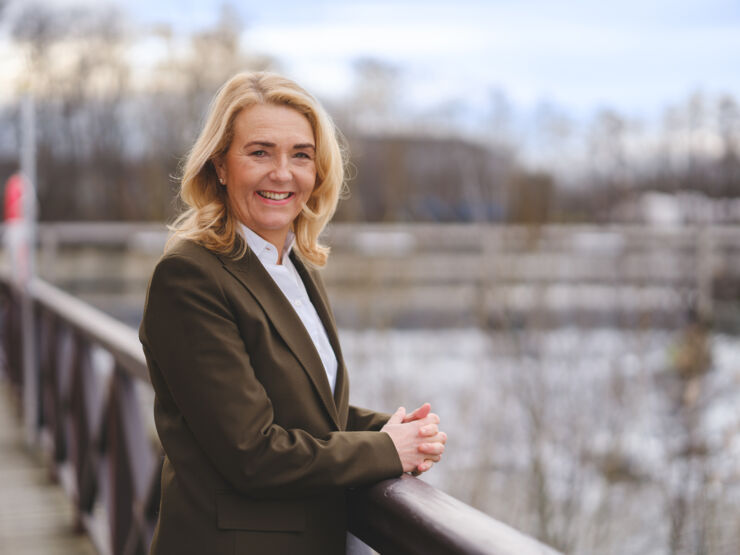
pixel 319 299
pixel 250 272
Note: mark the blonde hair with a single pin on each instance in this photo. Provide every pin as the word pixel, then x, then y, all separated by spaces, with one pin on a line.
pixel 208 220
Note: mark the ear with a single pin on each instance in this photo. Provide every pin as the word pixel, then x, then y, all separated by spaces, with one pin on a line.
pixel 220 167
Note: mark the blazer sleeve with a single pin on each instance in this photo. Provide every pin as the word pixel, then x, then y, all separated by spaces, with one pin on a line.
pixel 190 334
pixel 363 419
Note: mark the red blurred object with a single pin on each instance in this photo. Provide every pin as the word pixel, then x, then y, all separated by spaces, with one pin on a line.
pixel 14 189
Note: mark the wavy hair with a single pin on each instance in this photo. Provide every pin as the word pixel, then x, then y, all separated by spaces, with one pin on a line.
pixel 208 220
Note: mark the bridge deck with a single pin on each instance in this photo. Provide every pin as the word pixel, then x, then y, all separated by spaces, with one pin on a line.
pixel 35 515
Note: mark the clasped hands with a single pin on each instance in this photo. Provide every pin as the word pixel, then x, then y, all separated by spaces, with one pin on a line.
pixel 417 438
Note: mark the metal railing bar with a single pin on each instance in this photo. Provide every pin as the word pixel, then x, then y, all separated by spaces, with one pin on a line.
pixel 114 336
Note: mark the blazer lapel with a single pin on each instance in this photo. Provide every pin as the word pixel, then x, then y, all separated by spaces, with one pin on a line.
pixel 250 272
pixel 317 294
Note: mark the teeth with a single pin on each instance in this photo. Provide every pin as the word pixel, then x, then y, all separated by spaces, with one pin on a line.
pixel 273 196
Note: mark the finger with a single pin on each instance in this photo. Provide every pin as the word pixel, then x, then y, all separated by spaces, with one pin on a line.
pixel 423 467
pixel 439 437
pixel 397 417
pixel 419 413
pixel 411 416
pixel 429 430
pixel 430 418
pixel 431 448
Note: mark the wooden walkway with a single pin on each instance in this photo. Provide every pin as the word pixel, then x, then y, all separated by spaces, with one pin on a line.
pixel 36 518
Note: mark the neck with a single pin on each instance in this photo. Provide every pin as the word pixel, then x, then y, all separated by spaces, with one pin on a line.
pixel 277 239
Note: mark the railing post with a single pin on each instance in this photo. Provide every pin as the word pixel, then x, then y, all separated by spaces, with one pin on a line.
pixel 131 464
pixel 30 369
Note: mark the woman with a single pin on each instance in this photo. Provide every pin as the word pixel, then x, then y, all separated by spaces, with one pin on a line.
pixel 251 390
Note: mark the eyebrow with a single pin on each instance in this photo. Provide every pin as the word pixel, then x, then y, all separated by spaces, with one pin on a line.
pixel 269 144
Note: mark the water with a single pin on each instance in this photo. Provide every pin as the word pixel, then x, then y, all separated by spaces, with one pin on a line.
pixel 575 436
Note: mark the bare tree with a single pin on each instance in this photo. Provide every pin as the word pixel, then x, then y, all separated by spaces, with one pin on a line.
pixel 78 75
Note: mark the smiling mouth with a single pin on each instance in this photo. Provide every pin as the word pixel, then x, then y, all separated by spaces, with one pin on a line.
pixel 274 196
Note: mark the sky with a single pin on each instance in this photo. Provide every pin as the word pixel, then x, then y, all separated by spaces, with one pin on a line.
pixel 636 56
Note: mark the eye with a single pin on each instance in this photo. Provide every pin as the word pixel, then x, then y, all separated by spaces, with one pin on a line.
pixel 304 155
pixel 258 153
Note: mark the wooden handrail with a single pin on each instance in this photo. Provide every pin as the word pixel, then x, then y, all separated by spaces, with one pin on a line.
pixel 110 451
pixel 407 515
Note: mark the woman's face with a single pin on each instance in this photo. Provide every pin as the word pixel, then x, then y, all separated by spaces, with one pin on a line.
pixel 270 169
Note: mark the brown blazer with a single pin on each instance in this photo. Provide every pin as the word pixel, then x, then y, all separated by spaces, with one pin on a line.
pixel 259 453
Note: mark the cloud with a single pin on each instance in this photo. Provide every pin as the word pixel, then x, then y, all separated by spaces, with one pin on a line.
pixel 632 54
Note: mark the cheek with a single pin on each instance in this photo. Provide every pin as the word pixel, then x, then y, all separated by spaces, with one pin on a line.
pixel 308 190
pixel 309 181
pixel 238 199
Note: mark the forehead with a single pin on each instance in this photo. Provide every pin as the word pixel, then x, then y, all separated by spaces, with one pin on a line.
pixel 273 122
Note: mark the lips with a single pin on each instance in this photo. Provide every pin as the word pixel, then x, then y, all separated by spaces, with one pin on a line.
pixel 271 195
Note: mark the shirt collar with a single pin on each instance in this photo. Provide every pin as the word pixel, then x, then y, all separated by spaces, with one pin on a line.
pixel 264 250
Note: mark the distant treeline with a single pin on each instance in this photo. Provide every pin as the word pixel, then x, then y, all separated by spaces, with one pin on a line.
pixel 113 127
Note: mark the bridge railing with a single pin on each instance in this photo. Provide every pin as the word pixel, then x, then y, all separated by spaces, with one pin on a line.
pixel 94 421
pixel 91 383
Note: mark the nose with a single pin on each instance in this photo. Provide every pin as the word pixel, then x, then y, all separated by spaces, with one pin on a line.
pixel 281 171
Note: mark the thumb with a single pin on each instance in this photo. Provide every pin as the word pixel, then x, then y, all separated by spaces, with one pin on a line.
pixel 398 416
pixel 419 414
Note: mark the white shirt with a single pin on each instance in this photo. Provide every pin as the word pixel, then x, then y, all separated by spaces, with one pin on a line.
pixel 289 281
